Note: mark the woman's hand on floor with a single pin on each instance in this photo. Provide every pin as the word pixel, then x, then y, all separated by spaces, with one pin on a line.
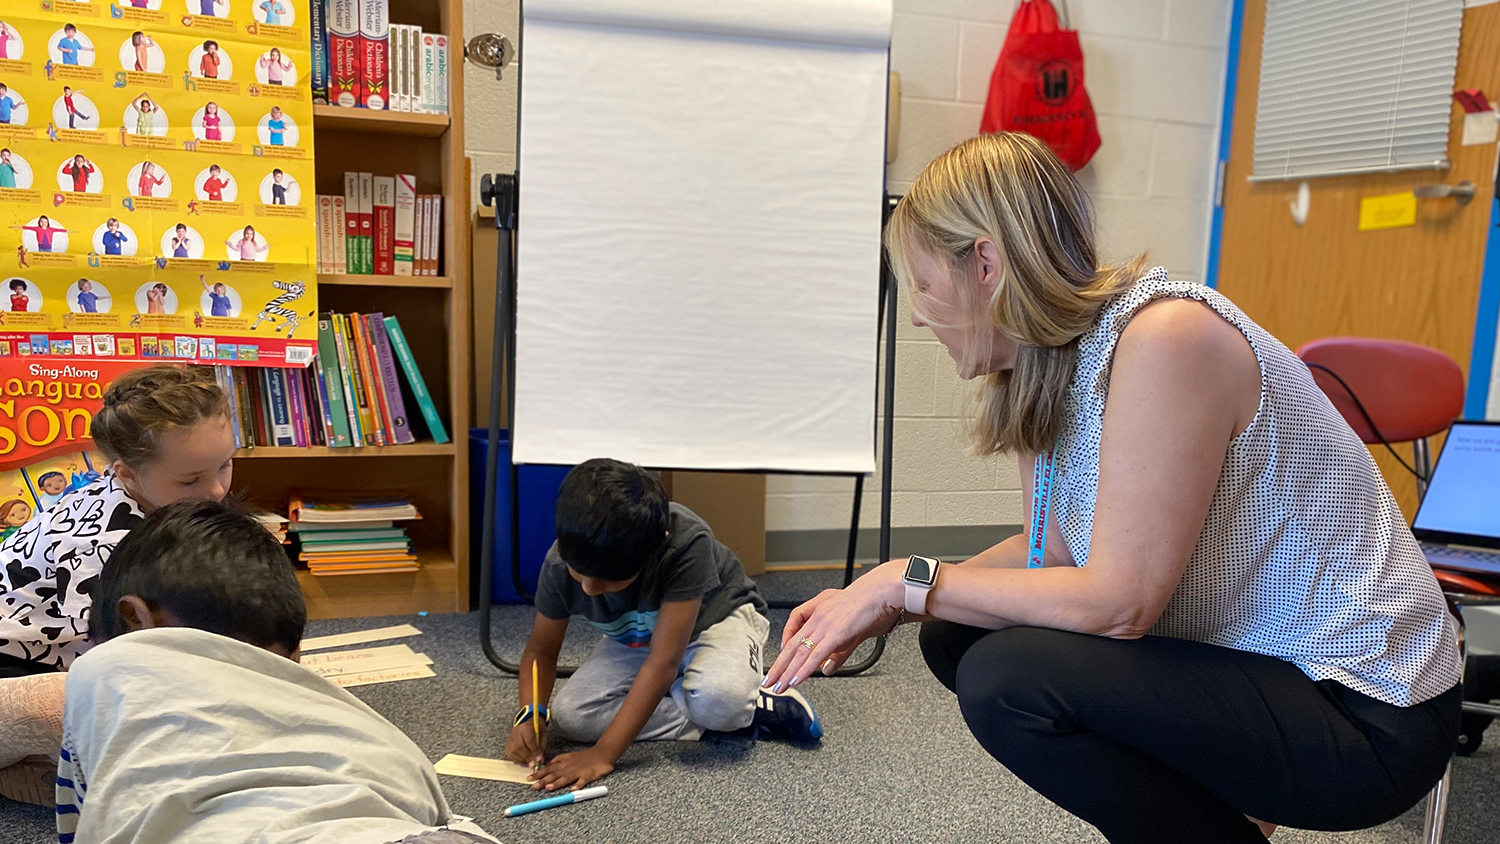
pixel 823 632
pixel 574 770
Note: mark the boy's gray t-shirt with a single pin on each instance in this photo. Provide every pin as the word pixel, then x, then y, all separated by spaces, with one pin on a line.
pixel 693 564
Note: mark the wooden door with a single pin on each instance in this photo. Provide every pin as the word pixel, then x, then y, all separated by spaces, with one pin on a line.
pixel 1419 283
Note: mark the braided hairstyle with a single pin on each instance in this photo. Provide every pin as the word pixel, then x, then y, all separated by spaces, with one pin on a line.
pixel 143 404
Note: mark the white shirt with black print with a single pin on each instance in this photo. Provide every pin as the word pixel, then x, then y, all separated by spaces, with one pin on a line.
pixel 51 566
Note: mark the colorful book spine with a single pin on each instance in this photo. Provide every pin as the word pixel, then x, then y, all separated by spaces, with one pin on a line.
pixel 356 378
pixel 326 234
pixel 340 260
pixel 351 221
pixel 318 27
pixel 328 369
pixel 404 231
pixel 384 225
pixel 399 99
pixel 414 380
pixel 297 400
pixel 351 400
pixel 391 385
pixel 429 72
pixel 440 75
pixel 374 52
pixel 281 412
pixel 368 379
pixel 325 413
pixel 366 224
pixel 343 53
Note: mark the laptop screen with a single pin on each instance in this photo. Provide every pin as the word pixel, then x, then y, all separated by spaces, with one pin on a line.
pixel 1463 497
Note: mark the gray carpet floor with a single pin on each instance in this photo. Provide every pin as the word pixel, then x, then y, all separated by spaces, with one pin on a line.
pixel 896 765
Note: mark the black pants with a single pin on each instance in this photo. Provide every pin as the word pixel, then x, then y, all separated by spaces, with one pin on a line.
pixel 12 666
pixel 1163 740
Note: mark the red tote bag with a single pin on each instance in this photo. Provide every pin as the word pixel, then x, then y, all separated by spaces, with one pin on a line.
pixel 1037 86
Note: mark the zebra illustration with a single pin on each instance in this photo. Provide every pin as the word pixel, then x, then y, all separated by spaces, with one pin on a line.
pixel 277 307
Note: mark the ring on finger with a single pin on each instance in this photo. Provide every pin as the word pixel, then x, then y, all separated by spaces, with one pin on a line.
pixel 809 644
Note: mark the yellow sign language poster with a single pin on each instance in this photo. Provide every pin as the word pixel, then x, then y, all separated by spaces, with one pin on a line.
pixel 156 180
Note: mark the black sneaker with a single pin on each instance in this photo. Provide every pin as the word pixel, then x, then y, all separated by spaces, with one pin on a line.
pixel 786 716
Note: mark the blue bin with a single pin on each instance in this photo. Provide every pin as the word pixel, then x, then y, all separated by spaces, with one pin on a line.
pixel 537 487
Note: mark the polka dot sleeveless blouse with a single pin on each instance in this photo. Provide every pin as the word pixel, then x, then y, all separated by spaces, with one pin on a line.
pixel 1304 555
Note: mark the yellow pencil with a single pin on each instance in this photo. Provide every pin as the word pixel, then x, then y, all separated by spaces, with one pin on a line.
pixel 536 712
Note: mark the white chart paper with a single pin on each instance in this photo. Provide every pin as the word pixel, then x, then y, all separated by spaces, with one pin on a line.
pixel 698 252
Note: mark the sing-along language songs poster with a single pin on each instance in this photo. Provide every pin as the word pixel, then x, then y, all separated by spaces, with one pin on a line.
pixel 156 181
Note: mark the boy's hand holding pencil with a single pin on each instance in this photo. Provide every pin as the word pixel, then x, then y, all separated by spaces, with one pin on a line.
pixel 527 744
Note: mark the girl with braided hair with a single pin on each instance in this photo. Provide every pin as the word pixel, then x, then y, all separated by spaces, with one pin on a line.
pixel 165 433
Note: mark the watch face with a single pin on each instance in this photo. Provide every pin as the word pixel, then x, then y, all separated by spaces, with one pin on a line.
pixel 920 570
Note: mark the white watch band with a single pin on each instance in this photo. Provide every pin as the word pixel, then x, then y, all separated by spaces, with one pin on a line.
pixel 916 599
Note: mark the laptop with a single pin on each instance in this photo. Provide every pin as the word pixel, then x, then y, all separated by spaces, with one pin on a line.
pixel 1458 522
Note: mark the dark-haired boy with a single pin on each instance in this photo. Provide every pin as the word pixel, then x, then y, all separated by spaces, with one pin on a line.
pixel 684 631
pixel 191 721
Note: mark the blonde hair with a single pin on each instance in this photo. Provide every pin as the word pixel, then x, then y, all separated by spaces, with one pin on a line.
pixel 145 403
pixel 1010 188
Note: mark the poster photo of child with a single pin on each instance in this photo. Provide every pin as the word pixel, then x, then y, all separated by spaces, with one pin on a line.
pixel 75 111
pixel 280 188
pixel 182 241
pixel 212 123
pixel 208 8
pixel 114 237
pixel 69 46
pixel 276 129
pixel 79 175
pixel 274 12
pixel 42 235
pixel 155 297
pixel 140 53
pixel 13 108
pixel 209 61
pixel 219 299
pixel 214 184
pixel 148 179
pixel 12 45
pixel 272 68
pixel 22 296
pixel 15 172
pixel 145 117
pixel 87 296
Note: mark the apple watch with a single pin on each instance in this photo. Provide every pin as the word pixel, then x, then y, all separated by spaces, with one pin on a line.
pixel 921 575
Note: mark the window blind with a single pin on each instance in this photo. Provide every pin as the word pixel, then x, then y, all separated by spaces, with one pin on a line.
pixel 1355 87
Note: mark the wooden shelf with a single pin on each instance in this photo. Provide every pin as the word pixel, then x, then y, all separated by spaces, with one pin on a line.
pixel 329 118
pixel 434 281
pixel 413 450
pixel 431 589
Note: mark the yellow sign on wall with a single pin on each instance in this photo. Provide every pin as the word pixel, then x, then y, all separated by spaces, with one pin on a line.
pixel 1391 211
pixel 156 179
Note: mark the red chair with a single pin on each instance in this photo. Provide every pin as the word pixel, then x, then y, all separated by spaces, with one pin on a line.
pixel 1391 391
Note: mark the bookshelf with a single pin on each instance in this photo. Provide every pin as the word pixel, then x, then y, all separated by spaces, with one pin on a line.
pixel 435 316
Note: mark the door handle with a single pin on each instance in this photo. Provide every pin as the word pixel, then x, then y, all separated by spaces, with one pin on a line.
pixel 1463 191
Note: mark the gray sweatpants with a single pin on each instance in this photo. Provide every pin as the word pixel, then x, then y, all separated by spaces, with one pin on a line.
pixel 716 686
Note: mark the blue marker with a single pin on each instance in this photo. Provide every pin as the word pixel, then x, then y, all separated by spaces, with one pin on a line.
pixel 559 800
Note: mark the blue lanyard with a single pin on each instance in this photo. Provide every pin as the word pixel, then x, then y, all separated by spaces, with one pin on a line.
pixel 1041 505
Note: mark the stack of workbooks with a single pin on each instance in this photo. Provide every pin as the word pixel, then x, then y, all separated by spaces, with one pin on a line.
pixel 275 524
pixel 339 533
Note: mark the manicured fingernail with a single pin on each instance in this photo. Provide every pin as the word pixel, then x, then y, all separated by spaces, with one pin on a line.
pixel 779 688
pixel 828 668
pixel 765 682
pixel 796 680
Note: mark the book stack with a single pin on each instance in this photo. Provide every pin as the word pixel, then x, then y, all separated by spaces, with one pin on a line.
pixel 362 60
pixel 275 524
pixel 380 226
pixel 357 392
pixel 340 533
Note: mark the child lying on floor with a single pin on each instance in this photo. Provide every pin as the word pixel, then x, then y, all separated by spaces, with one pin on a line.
pixel 191 722
pixel 684 631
